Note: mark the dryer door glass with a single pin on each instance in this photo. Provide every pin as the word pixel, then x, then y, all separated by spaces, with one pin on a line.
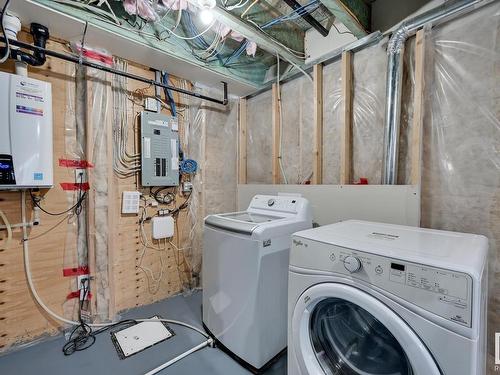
pixel 348 340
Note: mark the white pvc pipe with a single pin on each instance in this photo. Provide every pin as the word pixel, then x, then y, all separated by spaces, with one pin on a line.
pixel 52 313
pixel 21 68
pixel 209 342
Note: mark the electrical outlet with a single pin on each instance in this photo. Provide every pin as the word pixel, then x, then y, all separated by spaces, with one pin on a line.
pixel 151 104
pixel 187 187
pixel 80 175
pixel 84 283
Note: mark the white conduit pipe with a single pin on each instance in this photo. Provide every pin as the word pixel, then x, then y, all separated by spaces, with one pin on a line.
pixel 204 344
pixel 8 227
pixel 55 315
pixel 395 50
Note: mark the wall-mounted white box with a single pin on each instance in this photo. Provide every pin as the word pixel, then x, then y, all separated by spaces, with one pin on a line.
pixel 163 227
pixel 130 202
pixel 26 155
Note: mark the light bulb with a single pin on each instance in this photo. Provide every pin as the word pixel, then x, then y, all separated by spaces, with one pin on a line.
pixel 206 16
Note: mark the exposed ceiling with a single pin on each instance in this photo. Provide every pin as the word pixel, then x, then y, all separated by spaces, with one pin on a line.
pixel 272 25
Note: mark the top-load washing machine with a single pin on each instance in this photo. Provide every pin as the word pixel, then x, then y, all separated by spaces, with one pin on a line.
pixel 245 276
pixel 368 298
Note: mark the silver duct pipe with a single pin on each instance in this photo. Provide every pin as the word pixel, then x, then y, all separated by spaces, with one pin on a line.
pixel 395 51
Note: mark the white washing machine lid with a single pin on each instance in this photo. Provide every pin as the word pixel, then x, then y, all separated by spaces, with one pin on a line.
pixel 243 222
pixel 338 327
pixel 266 215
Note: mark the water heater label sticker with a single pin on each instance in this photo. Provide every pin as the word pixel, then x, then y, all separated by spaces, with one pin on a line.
pixel 29 110
pixel 23 95
pixel 38 176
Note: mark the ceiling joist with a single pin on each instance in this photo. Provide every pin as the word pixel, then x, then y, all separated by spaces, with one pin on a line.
pixel 252 33
pixel 354 14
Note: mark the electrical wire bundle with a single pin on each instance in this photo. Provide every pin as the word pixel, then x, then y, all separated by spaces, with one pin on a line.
pixel 153 282
pixel 295 14
pixel 167 198
pixel 188 166
pixel 125 163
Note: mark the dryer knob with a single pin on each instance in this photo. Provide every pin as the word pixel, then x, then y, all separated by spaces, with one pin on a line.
pixel 352 264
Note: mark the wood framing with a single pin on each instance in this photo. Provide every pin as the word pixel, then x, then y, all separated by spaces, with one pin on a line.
pixel 242 141
pixel 91 193
pixel 53 243
pixel 418 109
pixel 346 130
pixel 276 134
pixel 318 125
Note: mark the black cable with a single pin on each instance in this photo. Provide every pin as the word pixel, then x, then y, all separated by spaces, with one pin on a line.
pixel 77 207
pixel 83 337
pixel 184 205
pixel 156 192
pixel 86 337
pixel 7 45
pixel 57 213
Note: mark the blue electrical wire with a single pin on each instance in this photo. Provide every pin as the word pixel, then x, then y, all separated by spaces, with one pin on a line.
pixel 293 15
pixel 168 95
pixel 188 166
pixel 236 53
pixel 296 13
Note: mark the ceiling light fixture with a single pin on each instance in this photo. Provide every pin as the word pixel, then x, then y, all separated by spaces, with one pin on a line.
pixel 206 15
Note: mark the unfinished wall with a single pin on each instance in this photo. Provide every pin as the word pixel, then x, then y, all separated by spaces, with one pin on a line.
pixel 332 116
pixel 212 140
pixel 297 127
pixel 259 147
pixel 369 67
pixel 461 179
pixel 53 244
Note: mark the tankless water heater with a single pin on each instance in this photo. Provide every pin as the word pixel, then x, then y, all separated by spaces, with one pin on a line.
pixel 26 154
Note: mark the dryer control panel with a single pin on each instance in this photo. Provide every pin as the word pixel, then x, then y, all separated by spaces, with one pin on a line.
pixel 442 292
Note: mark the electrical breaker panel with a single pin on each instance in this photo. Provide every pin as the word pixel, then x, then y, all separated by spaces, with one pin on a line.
pixel 26 155
pixel 160 150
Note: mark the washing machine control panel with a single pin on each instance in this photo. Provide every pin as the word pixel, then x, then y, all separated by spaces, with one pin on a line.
pixel 288 204
pixel 439 291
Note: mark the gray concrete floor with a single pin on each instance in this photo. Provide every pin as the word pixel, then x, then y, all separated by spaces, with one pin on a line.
pixel 46 358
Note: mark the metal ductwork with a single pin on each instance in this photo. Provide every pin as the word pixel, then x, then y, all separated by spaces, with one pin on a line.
pixel 395 51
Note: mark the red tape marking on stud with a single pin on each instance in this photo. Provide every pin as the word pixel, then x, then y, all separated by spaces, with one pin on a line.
pixel 75 186
pixel 73 163
pixel 76 271
pixel 76 294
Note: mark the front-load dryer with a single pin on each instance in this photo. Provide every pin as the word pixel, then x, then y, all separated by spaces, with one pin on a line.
pixel 368 298
pixel 245 277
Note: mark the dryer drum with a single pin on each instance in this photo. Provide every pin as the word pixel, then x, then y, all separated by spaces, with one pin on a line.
pixel 348 340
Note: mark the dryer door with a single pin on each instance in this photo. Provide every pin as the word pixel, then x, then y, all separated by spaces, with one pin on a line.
pixel 338 329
